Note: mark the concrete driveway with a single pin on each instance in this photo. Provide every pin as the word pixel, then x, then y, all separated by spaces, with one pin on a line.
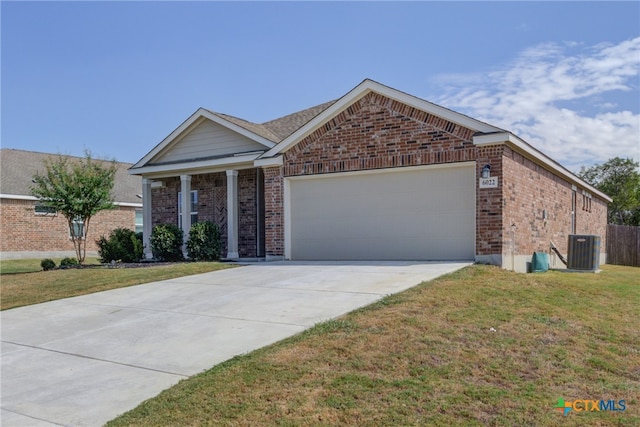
pixel 82 361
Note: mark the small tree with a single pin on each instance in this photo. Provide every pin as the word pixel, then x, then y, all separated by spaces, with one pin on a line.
pixel 619 178
pixel 78 189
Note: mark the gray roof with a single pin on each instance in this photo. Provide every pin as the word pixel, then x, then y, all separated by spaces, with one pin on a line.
pixel 285 126
pixel 278 129
pixel 17 168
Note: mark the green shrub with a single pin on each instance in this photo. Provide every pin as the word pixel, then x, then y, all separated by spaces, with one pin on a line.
pixel 166 242
pixel 122 245
pixel 68 263
pixel 47 264
pixel 204 242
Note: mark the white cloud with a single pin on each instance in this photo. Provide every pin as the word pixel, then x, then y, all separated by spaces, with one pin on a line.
pixel 561 101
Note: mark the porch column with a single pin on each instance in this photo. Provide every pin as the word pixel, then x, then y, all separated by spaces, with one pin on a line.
pixel 185 188
pixel 232 214
pixel 147 225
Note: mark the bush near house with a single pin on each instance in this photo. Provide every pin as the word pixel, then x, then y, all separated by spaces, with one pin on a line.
pixel 166 242
pixel 69 263
pixel 123 245
pixel 204 242
pixel 47 264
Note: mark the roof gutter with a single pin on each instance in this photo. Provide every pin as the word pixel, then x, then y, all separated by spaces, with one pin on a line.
pixel 33 198
pixel 189 166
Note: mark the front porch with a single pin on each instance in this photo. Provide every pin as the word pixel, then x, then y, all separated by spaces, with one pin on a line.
pixel 233 199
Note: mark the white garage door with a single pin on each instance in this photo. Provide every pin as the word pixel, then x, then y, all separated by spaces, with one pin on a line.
pixel 425 213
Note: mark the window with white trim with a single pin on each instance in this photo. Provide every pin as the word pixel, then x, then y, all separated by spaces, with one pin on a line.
pixel 194 207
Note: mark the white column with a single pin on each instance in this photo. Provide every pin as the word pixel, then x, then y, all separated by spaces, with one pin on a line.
pixel 232 214
pixel 185 188
pixel 146 217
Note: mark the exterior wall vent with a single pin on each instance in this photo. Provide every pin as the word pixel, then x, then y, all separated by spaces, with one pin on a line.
pixel 584 252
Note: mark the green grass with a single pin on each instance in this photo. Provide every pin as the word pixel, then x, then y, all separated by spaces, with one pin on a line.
pixel 428 356
pixel 15 266
pixel 23 282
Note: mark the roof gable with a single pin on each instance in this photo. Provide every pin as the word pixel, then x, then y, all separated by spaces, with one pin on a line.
pixel 205 133
pixel 205 140
pixel 364 88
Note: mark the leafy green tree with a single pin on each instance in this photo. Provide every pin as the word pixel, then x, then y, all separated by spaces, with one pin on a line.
pixel 78 189
pixel 619 178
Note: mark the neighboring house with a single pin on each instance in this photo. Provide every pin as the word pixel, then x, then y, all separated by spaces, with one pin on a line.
pixel 376 175
pixel 28 230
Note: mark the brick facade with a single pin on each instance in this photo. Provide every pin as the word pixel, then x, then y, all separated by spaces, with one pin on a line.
pixel 538 205
pixel 274 211
pixel 212 205
pixel 489 203
pixel 377 132
pixel 23 230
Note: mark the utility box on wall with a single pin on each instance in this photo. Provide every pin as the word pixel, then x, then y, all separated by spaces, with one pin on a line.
pixel 584 252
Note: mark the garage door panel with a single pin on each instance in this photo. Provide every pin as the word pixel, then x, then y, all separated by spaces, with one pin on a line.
pixel 417 214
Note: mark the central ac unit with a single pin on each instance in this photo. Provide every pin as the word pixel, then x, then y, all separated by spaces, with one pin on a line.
pixel 584 252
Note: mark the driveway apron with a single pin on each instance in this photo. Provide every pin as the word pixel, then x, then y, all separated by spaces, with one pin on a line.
pixel 82 361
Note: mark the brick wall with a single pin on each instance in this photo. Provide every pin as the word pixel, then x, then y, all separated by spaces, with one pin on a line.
pixel 164 202
pixel 489 220
pixel 273 211
pixel 377 132
pixel 247 213
pixel 23 230
pixel 529 192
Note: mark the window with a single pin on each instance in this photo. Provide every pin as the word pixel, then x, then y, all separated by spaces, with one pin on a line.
pixel 194 207
pixel 77 226
pixel 586 201
pixel 41 209
pixel 139 225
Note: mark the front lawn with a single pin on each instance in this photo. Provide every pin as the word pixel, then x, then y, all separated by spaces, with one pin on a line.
pixel 23 283
pixel 482 346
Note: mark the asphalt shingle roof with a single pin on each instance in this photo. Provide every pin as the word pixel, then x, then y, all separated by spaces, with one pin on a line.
pixel 278 129
pixel 285 126
pixel 17 168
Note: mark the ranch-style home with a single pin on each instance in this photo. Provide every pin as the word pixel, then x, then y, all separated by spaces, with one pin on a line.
pixel 375 175
pixel 29 230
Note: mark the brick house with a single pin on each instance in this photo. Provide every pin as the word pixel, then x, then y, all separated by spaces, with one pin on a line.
pixel 27 230
pixel 375 175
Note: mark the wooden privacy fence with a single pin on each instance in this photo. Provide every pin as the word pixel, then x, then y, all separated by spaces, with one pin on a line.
pixel 623 245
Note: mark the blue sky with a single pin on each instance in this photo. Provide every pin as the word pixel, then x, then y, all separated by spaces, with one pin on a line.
pixel 117 77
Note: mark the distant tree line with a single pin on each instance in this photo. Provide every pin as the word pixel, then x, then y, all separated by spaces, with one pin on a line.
pixel 619 179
